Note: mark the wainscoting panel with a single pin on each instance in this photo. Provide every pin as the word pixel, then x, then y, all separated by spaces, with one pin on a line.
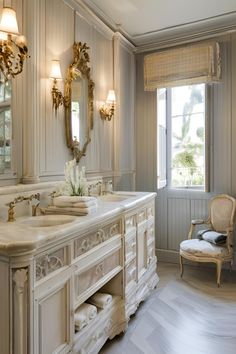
pixel 161 222
pixel 178 221
pixel 199 209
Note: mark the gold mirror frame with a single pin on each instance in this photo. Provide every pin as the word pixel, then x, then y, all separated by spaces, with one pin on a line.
pixel 80 66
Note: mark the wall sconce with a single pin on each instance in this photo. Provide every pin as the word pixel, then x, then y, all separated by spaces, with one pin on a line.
pixel 57 97
pixel 108 109
pixel 13 49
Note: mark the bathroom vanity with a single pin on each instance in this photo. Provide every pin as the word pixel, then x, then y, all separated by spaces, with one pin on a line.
pixel 50 265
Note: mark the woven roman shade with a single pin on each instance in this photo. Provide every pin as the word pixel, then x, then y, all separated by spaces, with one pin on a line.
pixel 188 65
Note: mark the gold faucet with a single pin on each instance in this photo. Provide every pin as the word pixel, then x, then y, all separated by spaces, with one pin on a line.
pixel 36 204
pixel 20 199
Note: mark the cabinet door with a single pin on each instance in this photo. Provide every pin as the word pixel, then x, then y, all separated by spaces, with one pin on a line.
pixel 141 249
pixel 53 315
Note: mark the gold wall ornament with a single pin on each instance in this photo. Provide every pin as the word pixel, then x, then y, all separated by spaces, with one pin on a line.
pixel 13 48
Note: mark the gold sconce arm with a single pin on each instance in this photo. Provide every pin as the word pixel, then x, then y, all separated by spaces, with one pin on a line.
pixel 107 112
pixel 108 109
pixel 57 97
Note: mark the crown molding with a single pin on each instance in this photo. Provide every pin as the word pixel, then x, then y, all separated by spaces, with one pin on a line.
pixel 105 18
pixel 190 32
pixel 85 12
pixel 125 43
pixel 170 36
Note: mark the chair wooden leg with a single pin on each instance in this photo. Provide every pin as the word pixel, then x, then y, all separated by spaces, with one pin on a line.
pixel 231 265
pixel 181 266
pixel 218 272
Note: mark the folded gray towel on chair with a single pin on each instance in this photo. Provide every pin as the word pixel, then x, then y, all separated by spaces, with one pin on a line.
pixel 212 236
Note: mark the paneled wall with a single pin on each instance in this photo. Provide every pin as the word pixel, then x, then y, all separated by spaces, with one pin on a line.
pixel 124 137
pixel 51 27
pixel 175 208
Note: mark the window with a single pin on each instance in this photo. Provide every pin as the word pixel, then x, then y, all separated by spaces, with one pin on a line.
pixel 182 137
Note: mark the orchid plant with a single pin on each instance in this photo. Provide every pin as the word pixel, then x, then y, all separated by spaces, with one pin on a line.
pixel 75 181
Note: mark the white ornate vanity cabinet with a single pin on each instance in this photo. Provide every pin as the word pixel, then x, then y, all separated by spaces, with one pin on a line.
pixel 50 265
pixel 140 258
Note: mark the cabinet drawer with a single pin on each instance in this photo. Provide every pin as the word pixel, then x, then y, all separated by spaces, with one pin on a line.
pixel 89 280
pixel 89 241
pixel 130 247
pixel 50 262
pixel 130 272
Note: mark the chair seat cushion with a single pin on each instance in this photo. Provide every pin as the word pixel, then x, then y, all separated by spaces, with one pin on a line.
pixel 203 248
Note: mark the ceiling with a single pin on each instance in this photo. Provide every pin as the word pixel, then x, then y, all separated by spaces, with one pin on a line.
pixel 143 21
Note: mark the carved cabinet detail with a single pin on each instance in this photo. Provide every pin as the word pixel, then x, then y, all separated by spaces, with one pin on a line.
pixel 88 242
pixel 50 262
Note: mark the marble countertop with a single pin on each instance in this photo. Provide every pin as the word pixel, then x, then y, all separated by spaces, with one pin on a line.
pixel 20 237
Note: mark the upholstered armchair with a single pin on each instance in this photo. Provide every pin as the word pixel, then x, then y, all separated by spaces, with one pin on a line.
pixel 220 220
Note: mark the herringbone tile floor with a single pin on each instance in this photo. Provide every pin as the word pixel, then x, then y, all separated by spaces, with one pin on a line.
pixel 189 316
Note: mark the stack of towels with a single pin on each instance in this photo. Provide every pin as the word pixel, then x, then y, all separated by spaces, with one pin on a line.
pixel 73 205
pixel 88 311
pixel 100 300
pixel 84 314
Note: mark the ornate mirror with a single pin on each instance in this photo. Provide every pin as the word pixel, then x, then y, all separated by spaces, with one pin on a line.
pixel 79 102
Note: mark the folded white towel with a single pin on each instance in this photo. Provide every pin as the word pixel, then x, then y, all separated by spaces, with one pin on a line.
pixel 84 314
pixel 70 210
pixel 58 201
pixel 85 204
pixel 70 200
pixel 75 205
pixel 100 300
pixel 80 210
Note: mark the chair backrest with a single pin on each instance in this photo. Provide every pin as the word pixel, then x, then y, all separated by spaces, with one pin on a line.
pixel 221 212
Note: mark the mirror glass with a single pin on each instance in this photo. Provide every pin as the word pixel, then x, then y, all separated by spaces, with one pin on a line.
pixel 79 102
pixel 79 105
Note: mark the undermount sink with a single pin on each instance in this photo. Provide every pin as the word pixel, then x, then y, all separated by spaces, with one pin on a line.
pixel 115 197
pixel 47 220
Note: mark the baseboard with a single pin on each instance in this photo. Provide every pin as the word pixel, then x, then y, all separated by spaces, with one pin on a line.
pixel 169 256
